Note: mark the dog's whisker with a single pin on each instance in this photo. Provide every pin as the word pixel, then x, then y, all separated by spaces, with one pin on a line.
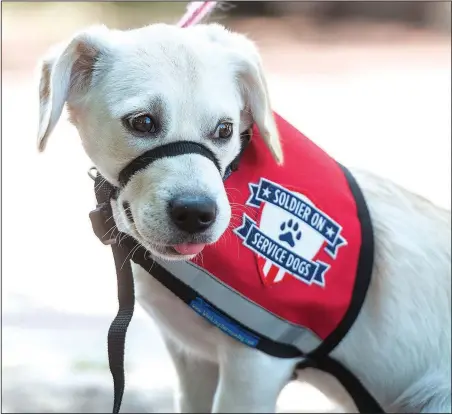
pixel 110 231
pixel 131 253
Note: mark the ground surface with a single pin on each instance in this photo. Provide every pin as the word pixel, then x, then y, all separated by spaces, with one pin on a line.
pixel 379 100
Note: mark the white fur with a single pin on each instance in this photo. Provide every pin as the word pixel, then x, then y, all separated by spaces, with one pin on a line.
pixel 400 345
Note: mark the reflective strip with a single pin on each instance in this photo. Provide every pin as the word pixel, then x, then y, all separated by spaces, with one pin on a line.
pixel 238 307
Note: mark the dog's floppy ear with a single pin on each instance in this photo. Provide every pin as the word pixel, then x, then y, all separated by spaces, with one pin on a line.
pixel 247 66
pixel 65 74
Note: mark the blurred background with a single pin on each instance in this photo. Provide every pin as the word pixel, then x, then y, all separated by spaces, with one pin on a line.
pixel 370 82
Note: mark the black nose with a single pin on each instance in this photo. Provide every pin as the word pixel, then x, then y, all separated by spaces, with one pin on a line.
pixel 193 214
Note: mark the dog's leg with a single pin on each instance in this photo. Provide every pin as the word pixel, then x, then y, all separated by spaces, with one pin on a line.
pixel 198 379
pixel 250 381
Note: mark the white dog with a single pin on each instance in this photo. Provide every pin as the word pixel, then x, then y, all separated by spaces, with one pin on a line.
pixel 129 91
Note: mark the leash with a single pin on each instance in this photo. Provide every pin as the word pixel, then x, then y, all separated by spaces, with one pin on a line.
pixel 105 229
pixel 101 219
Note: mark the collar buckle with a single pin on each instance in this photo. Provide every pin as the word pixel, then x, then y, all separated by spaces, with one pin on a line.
pixel 92 173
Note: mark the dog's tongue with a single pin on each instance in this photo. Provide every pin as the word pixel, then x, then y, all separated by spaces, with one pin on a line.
pixel 188 249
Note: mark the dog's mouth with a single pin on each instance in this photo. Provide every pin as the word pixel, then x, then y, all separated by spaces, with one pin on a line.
pixel 183 251
pixel 177 251
pixel 189 248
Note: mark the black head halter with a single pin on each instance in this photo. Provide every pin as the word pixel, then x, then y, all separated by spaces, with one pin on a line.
pixel 173 149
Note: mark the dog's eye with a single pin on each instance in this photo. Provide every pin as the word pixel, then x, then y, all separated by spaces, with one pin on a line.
pixel 224 130
pixel 143 124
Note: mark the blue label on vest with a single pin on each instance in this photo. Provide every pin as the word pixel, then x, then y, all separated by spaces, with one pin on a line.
pixel 224 323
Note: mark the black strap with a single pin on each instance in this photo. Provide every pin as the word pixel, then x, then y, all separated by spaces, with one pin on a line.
pixel 364 401
pixel 105 229
pixel 363 271
pixel 172 149
pixel 118 328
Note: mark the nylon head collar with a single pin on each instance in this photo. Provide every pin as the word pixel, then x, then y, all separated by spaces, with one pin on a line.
pixel 174 149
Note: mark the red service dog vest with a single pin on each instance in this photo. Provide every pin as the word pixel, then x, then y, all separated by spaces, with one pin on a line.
pixel 290 274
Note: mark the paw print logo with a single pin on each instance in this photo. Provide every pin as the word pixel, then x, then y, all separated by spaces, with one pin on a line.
pixel 290 232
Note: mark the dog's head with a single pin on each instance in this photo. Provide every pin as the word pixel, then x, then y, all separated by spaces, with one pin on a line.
pixel 130 91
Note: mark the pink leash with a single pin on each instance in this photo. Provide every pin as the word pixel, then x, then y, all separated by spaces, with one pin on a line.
pixel 196 11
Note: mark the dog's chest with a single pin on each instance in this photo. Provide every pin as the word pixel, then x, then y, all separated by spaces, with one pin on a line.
pixel 175 319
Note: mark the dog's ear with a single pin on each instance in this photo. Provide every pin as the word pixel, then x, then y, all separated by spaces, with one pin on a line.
pixel 247 66
pixel 66 73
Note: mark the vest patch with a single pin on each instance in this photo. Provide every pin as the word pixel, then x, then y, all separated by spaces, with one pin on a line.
pixel 289 234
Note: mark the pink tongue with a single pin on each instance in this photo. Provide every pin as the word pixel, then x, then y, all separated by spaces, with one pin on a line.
pixel 186 248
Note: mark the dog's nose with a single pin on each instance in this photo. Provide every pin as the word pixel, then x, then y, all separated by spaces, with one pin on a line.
pixel 193 214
